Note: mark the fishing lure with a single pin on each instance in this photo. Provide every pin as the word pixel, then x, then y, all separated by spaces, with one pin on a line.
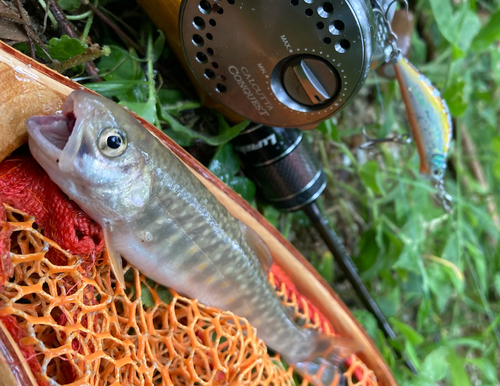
pixel 429 117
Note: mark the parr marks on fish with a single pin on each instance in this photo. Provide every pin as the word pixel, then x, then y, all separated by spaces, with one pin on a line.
pixel 163 220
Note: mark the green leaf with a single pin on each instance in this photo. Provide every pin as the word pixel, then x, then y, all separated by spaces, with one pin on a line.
pixel 65 47
pixel 419 49
pixel 226 133
pixel 496 284
pixel 224 164
pixel 408 260
pixel 69 5
pixel 424 314
pixel 440 286
pixel 272 215
pixel 457 369
pixel 413 336
pixel 443 13
pixel 455 98
pixel 451 250
pixel 120 65
pixel 325 267
pixel 243 186
pixel 434 366
pixel 487 368
pixel 368 251
pixel 480 264
pixel 158 46
pixel 179 137
pixel 412 353
pixel 145 110
pixel 368 321
pixel 164 294
pixel 466 342
pixel 146 296
pixel 168 97
pixel 488 34
pixel 113 88
pixel 390 304
pixel 469 28
pixel 330 129
pixel 368 173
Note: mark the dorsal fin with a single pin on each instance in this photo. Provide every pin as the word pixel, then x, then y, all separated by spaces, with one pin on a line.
pixel 258 246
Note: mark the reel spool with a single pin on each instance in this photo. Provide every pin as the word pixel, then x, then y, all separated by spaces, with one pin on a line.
pixel 291 63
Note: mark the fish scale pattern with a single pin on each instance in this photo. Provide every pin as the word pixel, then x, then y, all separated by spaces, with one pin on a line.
pixel 65 309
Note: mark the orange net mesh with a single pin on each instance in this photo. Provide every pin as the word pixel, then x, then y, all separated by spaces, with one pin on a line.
pixel 75 327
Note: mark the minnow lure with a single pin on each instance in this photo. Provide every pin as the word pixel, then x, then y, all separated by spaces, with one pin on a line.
pixel 162 219
pixel 429 116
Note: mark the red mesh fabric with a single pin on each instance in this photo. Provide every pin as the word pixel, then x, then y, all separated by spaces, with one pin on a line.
pixel 6 268
pixel 26 186
pixel 281 278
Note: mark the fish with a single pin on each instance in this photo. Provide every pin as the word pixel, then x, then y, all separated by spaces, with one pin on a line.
pixel 158 216
pixel 429 117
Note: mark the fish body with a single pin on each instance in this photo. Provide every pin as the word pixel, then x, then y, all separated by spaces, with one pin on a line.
pixel 161 218
pixel 429 117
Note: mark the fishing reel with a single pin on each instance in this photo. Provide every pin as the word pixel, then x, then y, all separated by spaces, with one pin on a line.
pixel 289 63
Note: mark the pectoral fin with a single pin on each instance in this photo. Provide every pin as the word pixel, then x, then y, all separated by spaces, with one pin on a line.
pixel 115 260
pixel 258 246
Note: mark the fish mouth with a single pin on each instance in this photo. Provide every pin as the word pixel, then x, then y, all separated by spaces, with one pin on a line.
pixel 51 133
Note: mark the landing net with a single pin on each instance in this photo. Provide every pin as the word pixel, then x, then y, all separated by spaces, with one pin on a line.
pixel 75 327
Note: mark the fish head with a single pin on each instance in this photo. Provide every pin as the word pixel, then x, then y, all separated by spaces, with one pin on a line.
pixel 92 152
pixel 437 167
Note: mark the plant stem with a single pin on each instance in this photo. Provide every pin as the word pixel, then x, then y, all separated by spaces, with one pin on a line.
pixel 151 76
pixel 81 16
pixel 50 15
pixel 86 30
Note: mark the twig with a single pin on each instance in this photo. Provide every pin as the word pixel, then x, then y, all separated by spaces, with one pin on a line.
pixel 47 14
pixel 27 29
pixel 11 17
pixel 91 53
pixel 117 29
pixel 66 27
pixel 119 21
pixel 69 30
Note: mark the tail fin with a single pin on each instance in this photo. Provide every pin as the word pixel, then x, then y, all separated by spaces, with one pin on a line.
pixel 322 368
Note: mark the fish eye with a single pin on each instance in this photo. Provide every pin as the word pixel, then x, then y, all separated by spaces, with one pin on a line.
pixel 112 142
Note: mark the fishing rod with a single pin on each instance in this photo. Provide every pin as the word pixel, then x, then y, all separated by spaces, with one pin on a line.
pixel 290 177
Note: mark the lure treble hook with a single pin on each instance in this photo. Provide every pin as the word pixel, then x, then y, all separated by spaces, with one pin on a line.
pixel 445 199
pixel 402 139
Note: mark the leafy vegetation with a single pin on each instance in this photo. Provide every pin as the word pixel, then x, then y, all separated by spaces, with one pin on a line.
pixel 436 275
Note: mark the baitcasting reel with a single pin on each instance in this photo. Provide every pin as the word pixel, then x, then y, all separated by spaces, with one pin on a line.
pixel 286 63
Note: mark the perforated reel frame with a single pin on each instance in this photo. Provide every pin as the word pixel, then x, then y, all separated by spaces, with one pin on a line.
pixel 241 50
